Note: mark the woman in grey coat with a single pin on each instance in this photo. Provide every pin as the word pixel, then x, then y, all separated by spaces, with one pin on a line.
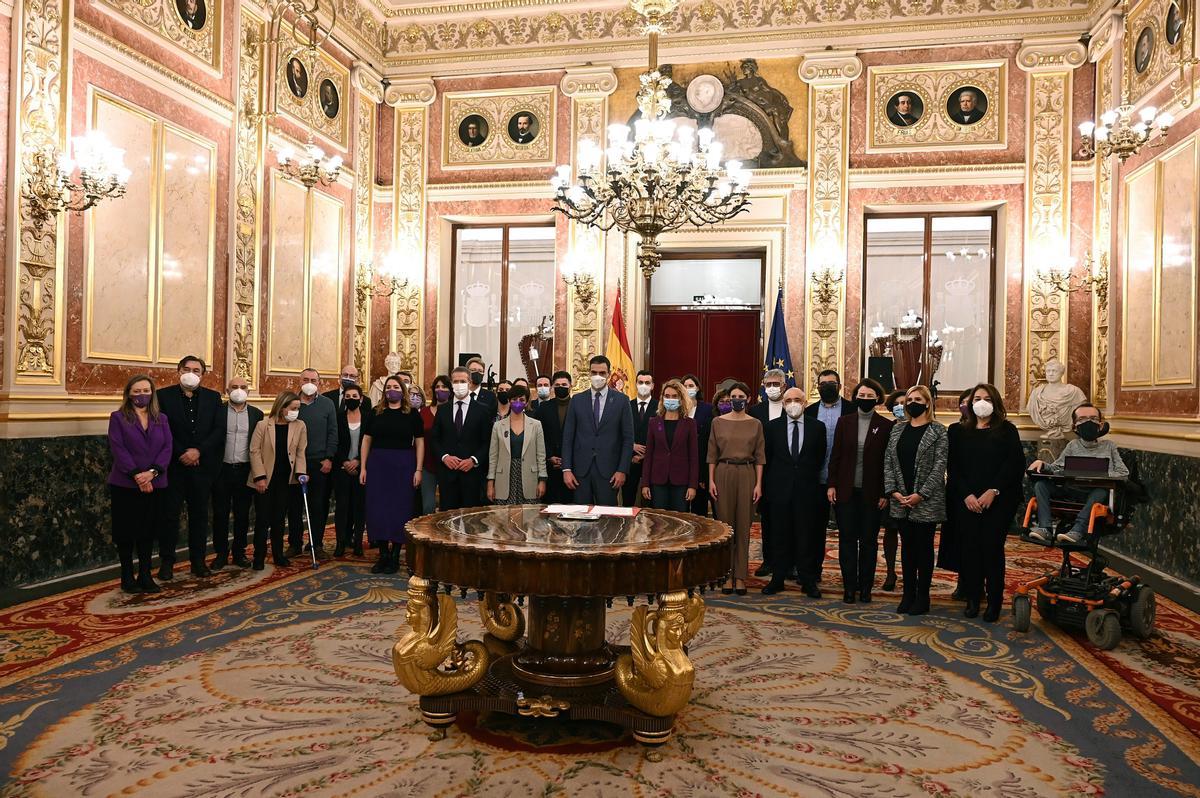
pixel 915 481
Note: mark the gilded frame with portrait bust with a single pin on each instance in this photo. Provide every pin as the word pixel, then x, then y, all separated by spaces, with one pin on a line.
pixel 513 128
pixel 1151 54
pixel 935 88
pixel 192 27
pixel 321 105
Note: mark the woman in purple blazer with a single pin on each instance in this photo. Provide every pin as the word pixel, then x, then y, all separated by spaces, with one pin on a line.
pixel 140 440
pixel 672 459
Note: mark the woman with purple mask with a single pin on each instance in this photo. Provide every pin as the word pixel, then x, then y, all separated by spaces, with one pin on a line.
pixel 393 457
pixel 517 456
pixel 440 391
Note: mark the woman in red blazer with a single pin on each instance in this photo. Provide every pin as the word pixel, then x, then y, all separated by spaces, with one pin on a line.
pixel 856 489
pixel 672 458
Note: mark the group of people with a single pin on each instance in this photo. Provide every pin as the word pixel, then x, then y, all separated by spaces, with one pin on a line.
pixel 878 462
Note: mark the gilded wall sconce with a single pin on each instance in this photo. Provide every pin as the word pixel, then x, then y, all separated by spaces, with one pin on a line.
pixel 51 189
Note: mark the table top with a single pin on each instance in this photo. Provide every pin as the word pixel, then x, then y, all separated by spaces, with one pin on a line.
pixel 519 549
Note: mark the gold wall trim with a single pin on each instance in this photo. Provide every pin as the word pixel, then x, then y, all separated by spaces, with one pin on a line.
pixel 1102 239
pixel 162 20
pixel 409 234
pixel 366 106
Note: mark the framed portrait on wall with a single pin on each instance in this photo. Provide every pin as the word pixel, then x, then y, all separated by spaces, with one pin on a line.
pixel 967 105
pixel 310 89
pixel 905 108
pixel 297 78
pixel 501 128
pixel 1143 50
pixel 193 13
pixel 930 107
pixel 330 101
pixel 191 28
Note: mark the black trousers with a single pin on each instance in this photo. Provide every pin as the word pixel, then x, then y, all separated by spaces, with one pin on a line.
pixel 270 511
pixel 350 512
pixel 230 492
pixel 764 526
pixel 317 508
pixel 458 489
pixel 595 488
pixel 631 490
pixel 858 541
pixel 190 485
pixel 916 558
pixel 669 497
pixel 136 521
pixel 793 528
pixel 982 536
pixel 556 489
pixel 820 529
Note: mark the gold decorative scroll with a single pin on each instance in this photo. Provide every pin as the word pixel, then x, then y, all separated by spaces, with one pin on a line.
pixel 498 150
pixel 935 84
pixel 370 94
pixel 247 221
pixel 1102 240
pixel 307 110
pixel 829 76
pixel 165 19
pixel 1047 197
pixel 1163 57
pixel 40 81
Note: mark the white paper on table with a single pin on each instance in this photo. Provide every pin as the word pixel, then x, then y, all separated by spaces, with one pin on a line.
pixel 623 512
pixel 559 509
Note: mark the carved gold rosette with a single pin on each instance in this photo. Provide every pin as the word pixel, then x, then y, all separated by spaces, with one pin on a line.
pixel 429 660
pixel 247 223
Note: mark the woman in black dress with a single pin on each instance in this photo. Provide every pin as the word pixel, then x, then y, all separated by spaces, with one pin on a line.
pixel 393 451
pixel 985 472
pixel 349 515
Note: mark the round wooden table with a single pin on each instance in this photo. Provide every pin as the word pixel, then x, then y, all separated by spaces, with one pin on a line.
pixel 559 663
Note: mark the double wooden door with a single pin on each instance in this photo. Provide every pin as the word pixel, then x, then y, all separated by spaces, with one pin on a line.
pixel 712 344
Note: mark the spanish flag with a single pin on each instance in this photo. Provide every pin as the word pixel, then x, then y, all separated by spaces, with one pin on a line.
pixel 617 351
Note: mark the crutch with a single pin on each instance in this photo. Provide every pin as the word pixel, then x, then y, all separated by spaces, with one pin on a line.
pixel 303 480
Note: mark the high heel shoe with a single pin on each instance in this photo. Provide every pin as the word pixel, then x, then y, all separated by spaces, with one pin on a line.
pixel 889 584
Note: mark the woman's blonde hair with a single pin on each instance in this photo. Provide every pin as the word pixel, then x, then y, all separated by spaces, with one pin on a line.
pixel 685 402
pixel 924 393
pixel 281 402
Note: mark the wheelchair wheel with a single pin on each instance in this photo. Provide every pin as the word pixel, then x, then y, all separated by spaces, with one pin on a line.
pixel 1103 629
pixel 1021 612
pixel 1142 612
pixel 1044 607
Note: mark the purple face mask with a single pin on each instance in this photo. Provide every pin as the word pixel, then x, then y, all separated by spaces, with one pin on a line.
pixel 441 395
pixel 416 400
pixel 724 407
pixel 517 406
pixel 394 394
pixel 140 399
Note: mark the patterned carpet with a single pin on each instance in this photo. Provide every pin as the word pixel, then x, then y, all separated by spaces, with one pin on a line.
pixel 281 684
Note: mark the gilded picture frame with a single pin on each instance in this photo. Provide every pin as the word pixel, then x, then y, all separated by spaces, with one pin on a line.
pixel 304 99
pixel 1157 32
pixel 515 128
pixel 192 27
pixel 940 123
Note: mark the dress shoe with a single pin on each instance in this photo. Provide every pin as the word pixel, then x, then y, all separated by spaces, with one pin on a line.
pixel 992 613
pixel 294 551
pixel 919 607
pixel 905 605
pixel 321 553
pixel 812 591
pixel 380 564
pixel 200 571
pixel 848 597
pixel 339 550
pixel 166 573
pixel 258 565
pixel 241 562
pixel 728 591
pixel 773 587
pixel 741 591
pixel 281 562
pixel 865 597
pixel 148 585
pixel 972 609
pixel 218 563
pixel 358 549
pixel 889 584
pixel 763 570
pixel 958 595
pixel 131 588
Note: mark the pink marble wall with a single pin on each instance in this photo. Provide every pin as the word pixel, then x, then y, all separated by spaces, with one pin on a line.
pixel 795 282
pixel 1015 150
pixel 562 142
pixel 385 145
pixel 1083 103
pixel 107 377
pixel 5 46
pixel 1079 304
pixel 381 307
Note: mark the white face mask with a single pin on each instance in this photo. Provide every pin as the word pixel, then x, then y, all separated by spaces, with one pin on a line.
pixel 292 415
pixel 598 382
pixel 460 389
pixel 308 389
pixel 983 408
pixel 189 380
pixel 543 392
pixel 692 393
pixel 794 410
pixel 644 390
pixel 774 392
pixel 238 396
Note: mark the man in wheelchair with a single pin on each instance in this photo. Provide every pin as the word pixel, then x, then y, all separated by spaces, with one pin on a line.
pixel 1090 427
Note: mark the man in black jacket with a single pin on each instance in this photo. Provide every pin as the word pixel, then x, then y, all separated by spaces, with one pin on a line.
pixel 231 489
pixel 198 438
pixel 768 409
pixel 795 448
pixel 349 376
pixel 553 415
pixel 828 410
pixel 462 431
pixel 645 407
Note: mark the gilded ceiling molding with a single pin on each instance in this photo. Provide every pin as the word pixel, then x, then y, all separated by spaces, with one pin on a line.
pixel 828 75
pixel 1050 64
pixel 41 40
pixel 250 145
pixel 411 100
pixel 589 88
pixel 369 95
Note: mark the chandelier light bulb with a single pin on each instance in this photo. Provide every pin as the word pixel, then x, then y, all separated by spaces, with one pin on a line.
pixel 1165 120
pixel 1148 114
pixel 1086 128
pixel 705 136
pixel 1108 117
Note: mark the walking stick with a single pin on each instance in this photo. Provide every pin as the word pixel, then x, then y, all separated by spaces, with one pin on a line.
pixel 303 479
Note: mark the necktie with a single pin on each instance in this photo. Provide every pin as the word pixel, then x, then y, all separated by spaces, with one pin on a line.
pixel 796 440
pixel 642 410
pixel 458 418
pixel 596 408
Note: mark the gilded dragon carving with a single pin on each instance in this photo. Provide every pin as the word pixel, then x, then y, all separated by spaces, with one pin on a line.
pixel 502 618
pixel 429 660
pixel 657 676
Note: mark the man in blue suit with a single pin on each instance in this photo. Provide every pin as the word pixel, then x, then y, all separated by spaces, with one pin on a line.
pixel 597 441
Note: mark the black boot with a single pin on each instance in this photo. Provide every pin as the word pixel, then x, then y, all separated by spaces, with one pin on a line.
pixel 340 549
pixel 381 565
pixel 356 537
pixel 393 563
pixel 972 609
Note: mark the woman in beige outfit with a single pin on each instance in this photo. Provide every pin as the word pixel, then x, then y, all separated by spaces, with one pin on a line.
pixel 517 458
pixel 736 454
pixel 276 461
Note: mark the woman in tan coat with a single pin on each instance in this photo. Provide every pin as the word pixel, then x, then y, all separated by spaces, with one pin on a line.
pixel 517 458
pixel 736 455
pixel 276 460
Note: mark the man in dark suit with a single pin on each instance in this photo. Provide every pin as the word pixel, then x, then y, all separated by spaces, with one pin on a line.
pixel 543 392
pixel 231 489
pixel 902 114
pixel 553 414
pixel 967 112
pixel 645 407
pixel 198 438
pixel 769 409
pixel 348 377
pixel 597 439
pixel 795 448
pixel 477 370
pixel 462 432
pixel 828 410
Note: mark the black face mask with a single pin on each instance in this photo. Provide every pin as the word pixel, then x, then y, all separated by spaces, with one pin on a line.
pixel 829 392
pixel 1091 430
pixel 476 378
pixel 915 409
pixel 738 404
pixel 561 391
pixel 502 397
pixel 353 404
pixel 865 405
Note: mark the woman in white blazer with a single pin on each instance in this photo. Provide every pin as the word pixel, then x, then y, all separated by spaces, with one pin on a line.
pixel 517 459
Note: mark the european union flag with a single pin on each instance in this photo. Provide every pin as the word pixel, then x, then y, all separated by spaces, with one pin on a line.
pixel 778 355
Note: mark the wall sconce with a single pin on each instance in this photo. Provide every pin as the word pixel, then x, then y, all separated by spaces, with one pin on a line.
pixel 51 190
pixel 578 277
pixel 1094 280
pixel 390 280
pixel 310 166
pixel 826 285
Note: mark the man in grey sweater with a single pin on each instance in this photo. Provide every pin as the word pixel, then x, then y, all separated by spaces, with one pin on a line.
pixel 319 415
pixel 1089 426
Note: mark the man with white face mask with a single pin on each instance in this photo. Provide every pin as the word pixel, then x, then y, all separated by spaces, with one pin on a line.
pixel 391 365
pixel 774 381
pixel 231 491
pixel 197 441
pixel 645 407
pixel 597 447
pixel 462 431
pixel 320 420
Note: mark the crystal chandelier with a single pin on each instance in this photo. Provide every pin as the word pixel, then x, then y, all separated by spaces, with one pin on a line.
pixel 51 189
pixel 1118 134
pixel 664 177
pixel 310 165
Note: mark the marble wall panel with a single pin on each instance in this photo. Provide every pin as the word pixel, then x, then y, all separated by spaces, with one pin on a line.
pixel 1079 303
pixel 122 243
pixel 1137 323
pixel 380 338
pixel 286 287
pixel 326 266
pixel 1175 328
pixel 188 245
pixel 385 145
pixel 5 39
pixel 794 288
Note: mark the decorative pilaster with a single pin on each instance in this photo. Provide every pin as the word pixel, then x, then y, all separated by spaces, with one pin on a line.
pixel 411 99
pixel 828 75
pixel 41 86
pixel 370 94
pixel 1101 48
pixel 1050 65
pixel 589 88
pixel 249 146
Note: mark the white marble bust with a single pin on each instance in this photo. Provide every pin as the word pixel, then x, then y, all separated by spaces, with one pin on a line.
pixel 392 364
pixel 1051 402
